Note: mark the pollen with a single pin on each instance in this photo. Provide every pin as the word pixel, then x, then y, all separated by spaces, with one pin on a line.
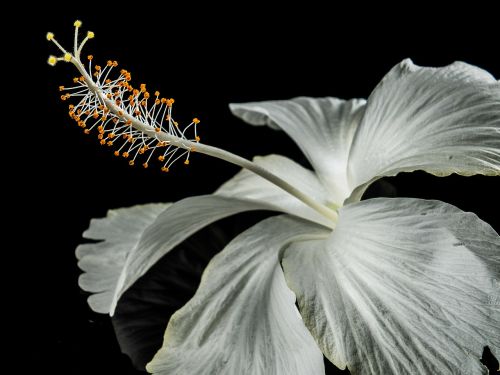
pixel 90 35
pixel 77 23
pixel 67 57
pixel 50 36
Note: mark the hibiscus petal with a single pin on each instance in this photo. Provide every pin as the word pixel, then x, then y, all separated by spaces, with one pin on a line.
pixel 173 226
pixel 248 185
pixel 242 319
pixel 440 120
pixel 323 128
pixel 136 238
pixel 403 286
pixel 103 261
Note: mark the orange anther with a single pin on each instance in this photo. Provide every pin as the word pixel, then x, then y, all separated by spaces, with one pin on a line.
pixel 161 158
pixel 117 153
pixel 90 57
pixel 196 121
pixel 61 88
pixel 145 165
pixel 125 154
pixel 164 169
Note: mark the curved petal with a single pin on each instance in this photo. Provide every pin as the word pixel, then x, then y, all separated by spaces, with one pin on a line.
pixel 248 185
pixel 173 226
pixel 403 286
pixel 242 319
pixel 440 120
pixel 323 128
pixel 142 313
pixel 103 261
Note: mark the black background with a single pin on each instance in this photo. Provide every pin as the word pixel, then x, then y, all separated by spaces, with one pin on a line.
pixel 216 55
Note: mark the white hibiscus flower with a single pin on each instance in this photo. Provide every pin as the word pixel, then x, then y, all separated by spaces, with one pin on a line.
pixel 384 286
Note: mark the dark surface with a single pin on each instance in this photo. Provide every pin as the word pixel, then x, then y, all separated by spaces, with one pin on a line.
pixel 71 179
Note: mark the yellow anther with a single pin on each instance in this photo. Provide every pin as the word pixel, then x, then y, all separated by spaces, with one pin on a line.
pixel 52 60
pixel 61 88
pixel 197 138
pixel 186 161
pixel 67 57
pixel 90 34
pixel 50 36
pixel 196 120
pixel 145 165
pixel 131 162
pixel 77 23
pixel 157 93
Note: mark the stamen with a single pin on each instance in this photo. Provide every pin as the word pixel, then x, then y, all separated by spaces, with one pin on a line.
pixel 109 104
pixel 124 115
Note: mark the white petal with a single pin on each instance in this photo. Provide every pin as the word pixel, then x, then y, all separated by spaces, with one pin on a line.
pixel 441 120
pixel 242 319
pixel 403 286
pixel 103 261
pixel 173 226
pixel 248 185
pixel 323 128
